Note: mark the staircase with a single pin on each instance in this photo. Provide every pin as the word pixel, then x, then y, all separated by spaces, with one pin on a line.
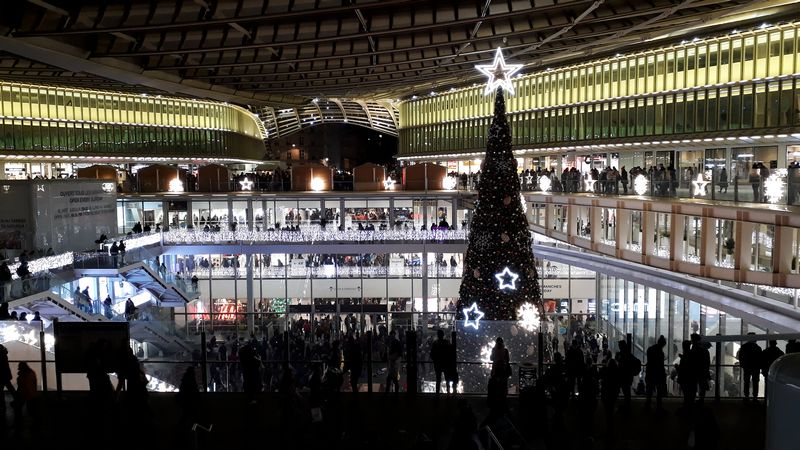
pixel 51 306
pixel 145 278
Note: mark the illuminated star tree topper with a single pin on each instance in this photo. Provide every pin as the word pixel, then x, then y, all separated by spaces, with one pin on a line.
pixel 499 73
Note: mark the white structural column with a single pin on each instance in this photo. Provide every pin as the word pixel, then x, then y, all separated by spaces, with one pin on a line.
pixel 648 232
pixel 251 303
pixel 743 247
pixel 249 214
pixel 677 227
pixel 708 242
pixel 782 251
pixel 623 230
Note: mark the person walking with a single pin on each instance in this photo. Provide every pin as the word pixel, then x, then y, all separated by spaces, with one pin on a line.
pixel 439 356
pixel 655 376
pixel 750 361
pixel 27 392
pixel 768 356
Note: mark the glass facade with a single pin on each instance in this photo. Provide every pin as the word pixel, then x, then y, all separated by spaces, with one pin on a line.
pixel 720 84
pixel 64 121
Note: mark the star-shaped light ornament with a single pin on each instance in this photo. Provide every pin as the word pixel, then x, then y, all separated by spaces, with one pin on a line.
pixel 499 73
pixel 590 182
pixel 503 276
pixel 476 315
pixel 246 184
pixel 699 184
pixel 388 184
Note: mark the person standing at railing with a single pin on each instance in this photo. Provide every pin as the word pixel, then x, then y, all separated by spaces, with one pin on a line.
pixel 768 357
pixel 629 366
pixel 702 360
pixel 750 359
pixel 655 377
pixel 439 351
pixel 5 280
pixel 610 377
pixel 687 376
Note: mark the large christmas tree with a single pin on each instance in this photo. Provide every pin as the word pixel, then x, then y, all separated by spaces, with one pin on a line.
pixel 499 270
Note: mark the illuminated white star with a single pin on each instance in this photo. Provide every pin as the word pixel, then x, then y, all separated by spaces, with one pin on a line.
pixel 699 186
pixel 246 184
pixel 499 73
pixel 449 183
pixel 478 314
pixel 388 184
pixel 501 277
pixel 590 182
pixel 529 179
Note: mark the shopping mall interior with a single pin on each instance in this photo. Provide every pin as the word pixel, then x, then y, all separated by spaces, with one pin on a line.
pixel 400 224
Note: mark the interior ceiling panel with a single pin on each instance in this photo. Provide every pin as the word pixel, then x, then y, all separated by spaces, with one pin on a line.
pixel 285 52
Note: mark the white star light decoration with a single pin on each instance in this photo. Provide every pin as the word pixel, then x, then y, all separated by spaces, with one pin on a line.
pixel 699 184
pixel 474 311
pixel 590 182
pixel 388 184
pixel 246 184
pixel 501 277
pixel 499 73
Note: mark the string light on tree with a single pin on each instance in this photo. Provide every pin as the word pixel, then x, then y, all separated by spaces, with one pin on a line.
pixel 522 202
pixel 246 184
pixel 699 186
pixel 507 274
pixel 476 315
pixel 528 317
pixel 499 73
pixel 641 185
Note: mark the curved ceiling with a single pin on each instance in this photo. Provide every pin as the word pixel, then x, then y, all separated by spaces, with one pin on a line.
pixel 285 52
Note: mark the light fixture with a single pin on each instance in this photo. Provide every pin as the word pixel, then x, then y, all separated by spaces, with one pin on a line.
pixel 699 186
pixel 449 183
pixel 388 184
pixel 317 184
pixel 590 182
pixel 528 317
pixel 246 184
pixel 544 183
pixel 506 273
pixel 774 186
pixel 640 185
pixel 499 73
pixel 474 311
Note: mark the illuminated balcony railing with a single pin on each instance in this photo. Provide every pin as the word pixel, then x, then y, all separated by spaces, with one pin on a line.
pixel 310 236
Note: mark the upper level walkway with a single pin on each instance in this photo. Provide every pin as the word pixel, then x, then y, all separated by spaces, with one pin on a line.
pixel 750 243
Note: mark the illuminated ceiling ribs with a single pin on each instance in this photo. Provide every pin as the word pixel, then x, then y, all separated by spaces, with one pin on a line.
pixel 376 115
